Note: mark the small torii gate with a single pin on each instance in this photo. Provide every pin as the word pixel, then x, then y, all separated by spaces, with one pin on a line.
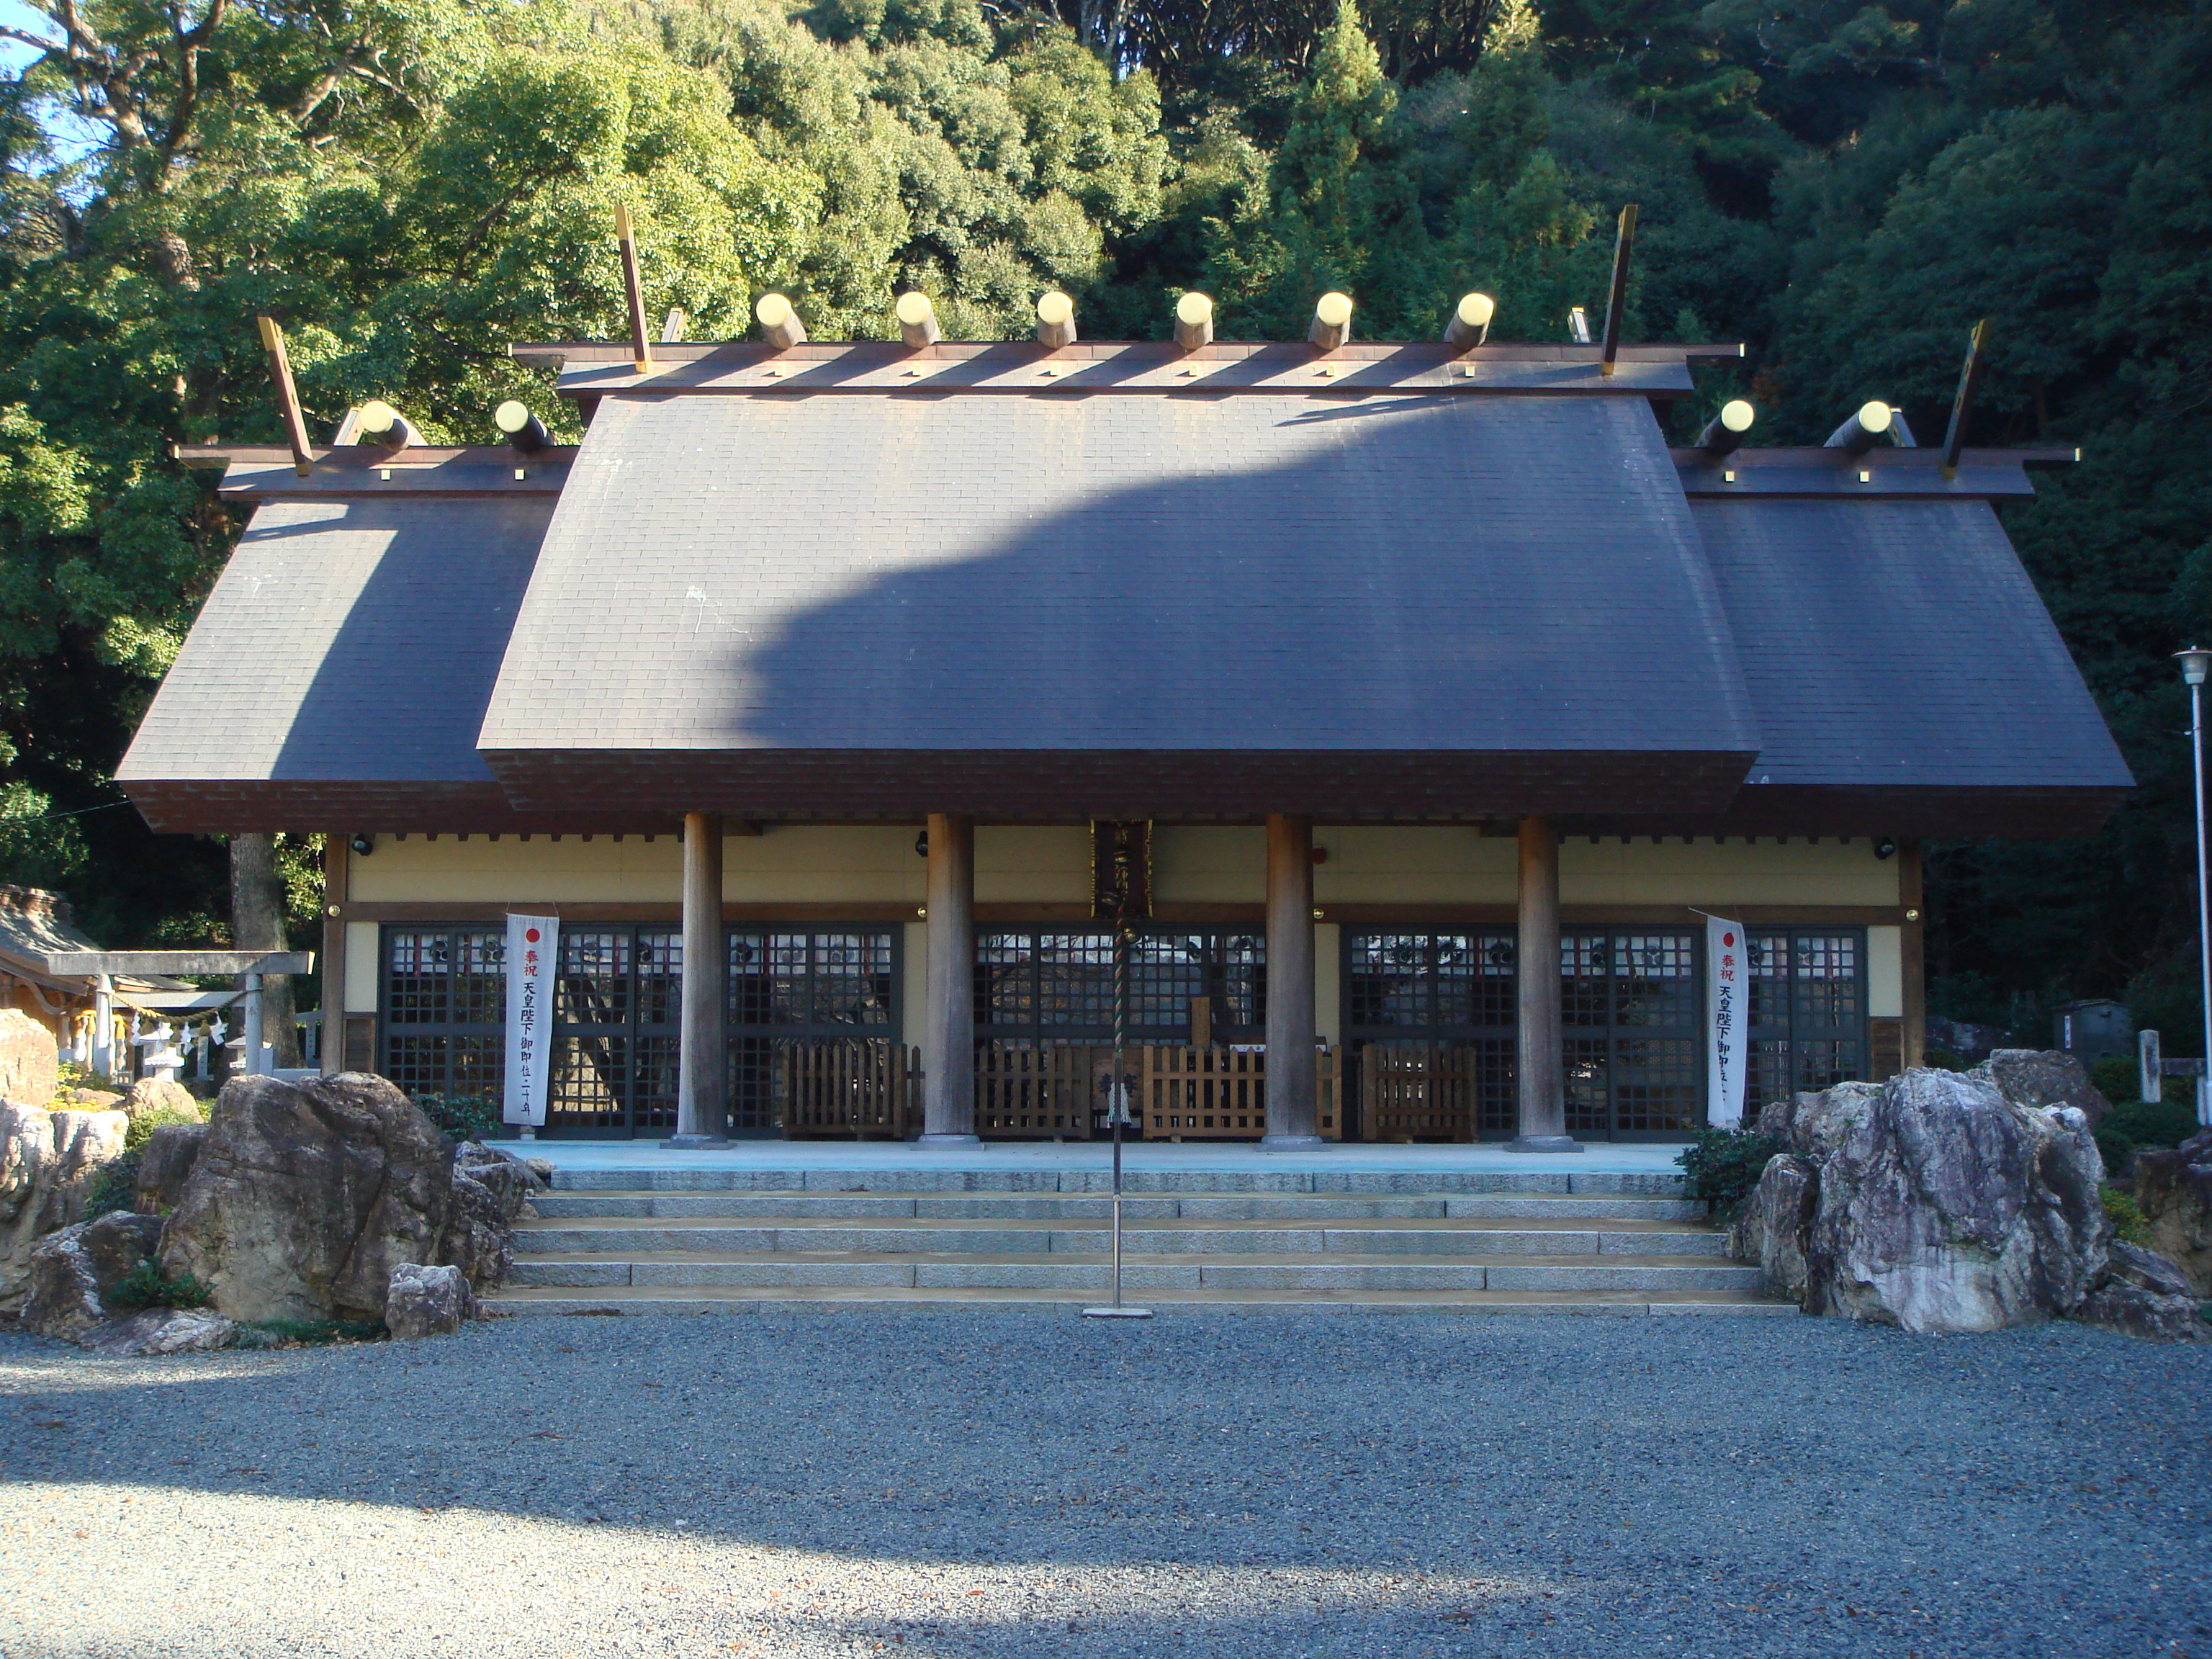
pixel 103 967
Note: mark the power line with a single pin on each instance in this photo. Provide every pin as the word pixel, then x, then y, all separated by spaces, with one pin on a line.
pixel 10 824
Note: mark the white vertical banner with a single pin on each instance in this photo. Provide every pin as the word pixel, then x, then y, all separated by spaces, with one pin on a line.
pixel 533 943
pixel 1727 1056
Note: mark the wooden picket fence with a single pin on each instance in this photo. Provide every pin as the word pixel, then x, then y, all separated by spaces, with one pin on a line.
pixel 1221 1094
pixel 1027 1093
pixel 862 1086
pixel 851 1087
pixel 1417 1091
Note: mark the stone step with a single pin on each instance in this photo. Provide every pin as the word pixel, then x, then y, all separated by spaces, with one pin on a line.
pixel 1018 1206
pixel 1094 1272
pixel 833 1179
pixel 629 1303
pixel 901 1236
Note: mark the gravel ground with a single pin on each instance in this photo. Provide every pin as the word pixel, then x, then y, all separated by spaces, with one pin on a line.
pixel 1006 1483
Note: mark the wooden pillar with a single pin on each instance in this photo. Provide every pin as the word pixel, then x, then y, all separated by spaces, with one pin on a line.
pixel 337 871
pixel 703 1063
pixel 1538 1070
pixel 948 1032
pixel 1912 952
pixel 1293 1111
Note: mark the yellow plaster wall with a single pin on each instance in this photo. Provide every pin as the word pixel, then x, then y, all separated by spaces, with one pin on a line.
pixel 1885 970
pixel 1328 981
pixel 830 863
pixel 509 869
pixel 1021 865
pixel 915 972
pixel 361 967
pixel 1716 875
pixel 1193 865
pixel 1424 865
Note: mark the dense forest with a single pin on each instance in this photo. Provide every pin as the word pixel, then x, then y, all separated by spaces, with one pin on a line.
pixel 408 185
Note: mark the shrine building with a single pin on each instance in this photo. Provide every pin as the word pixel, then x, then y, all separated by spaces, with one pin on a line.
pixel 1385 720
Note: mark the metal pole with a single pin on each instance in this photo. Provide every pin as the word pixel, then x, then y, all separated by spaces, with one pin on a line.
pixel 2204 896
pixel 1116 1109
pixel 252 1024
pixel 103 1027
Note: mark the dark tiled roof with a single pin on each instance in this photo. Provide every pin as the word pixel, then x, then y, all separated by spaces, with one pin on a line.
pixel 349 642
pixel 872 605
pixel 761 576
pixel 1899 645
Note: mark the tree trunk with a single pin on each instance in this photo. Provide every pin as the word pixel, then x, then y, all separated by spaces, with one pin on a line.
pixel 257 923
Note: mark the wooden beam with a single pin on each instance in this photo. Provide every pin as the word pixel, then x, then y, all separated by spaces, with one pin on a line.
pixel 1868 422
pixel 673 325
pixel 1469 324
pixel 1962 401
pixel 1912 893
pixel 1055 315
pixel 641 348
pixel 288 395
pixel 525 434
pixel 1194 321
pixel 1332 322
pixel 265 472
pixel 1723 434
pixel 1293 1100
pixel 139 964
pixel 779 322
pixel 917 319
pixel 1981 475
pixel 1540 1079
pixel 337 855
pixel 386 428
pixel 1616 303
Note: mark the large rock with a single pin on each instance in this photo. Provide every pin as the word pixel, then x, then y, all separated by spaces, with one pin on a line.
pixel 159 1330
pixel 45 1160
pixel 490 1194
pixel 165 1164
pixel 306 1195
pixel 2040 1077
pixel 1813 1124
pixel 1948 1207
pixel 2144 1295
pixel 72 1271
pixel 2173 1190
pixel 154 1094
pixel 1769 1229
pixel 1934 1201
pixel 427 1301
pixel 30 1062
pixel 2147 1270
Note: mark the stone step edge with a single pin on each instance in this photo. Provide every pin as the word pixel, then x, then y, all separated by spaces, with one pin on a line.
pixel 1309 1207
pixel 1624 1260
pixel 635 1304
pixel 1185 1224
pixel 1092 1182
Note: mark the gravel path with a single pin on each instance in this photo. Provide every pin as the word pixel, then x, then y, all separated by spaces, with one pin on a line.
pixel 1020 1485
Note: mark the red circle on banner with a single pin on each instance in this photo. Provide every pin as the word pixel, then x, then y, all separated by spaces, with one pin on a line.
pixel 1726 939
pixel 531 933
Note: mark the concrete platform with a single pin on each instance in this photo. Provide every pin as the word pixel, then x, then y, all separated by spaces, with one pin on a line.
pixel 1227 1159
pixel 696 1299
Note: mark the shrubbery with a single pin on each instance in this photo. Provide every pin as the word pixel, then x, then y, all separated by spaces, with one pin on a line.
pixel 113 1185
pixel 144 1287
pixel 2134 1123
pixel 1723 1165
pixel 2128 1221
pixel 463 1117
pixel 143 1126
